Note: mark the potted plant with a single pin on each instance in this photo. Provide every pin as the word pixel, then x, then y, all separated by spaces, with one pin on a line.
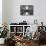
pixel 3 34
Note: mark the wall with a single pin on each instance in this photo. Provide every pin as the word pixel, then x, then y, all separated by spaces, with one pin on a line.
pixel 4 11
pixel 0 13
pixel 12 11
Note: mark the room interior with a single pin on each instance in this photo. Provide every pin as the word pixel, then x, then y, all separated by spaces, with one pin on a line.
pixel 22 23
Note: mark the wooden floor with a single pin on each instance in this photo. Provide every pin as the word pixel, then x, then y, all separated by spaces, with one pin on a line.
pixel 42 45
pixel 32 45
pixel 1 45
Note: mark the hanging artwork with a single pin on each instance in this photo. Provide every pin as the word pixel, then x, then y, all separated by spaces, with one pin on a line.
pixel 26 9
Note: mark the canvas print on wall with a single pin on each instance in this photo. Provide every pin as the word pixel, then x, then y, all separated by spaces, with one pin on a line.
pixel 26 9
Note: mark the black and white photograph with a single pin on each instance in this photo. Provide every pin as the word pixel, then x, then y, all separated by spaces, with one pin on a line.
pixel 26 10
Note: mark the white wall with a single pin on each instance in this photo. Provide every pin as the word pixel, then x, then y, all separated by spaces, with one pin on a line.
pixel 4 11
pixel 0 13
pixel 12 11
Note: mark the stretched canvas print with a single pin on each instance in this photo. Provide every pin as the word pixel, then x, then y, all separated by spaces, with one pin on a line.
pixel 26 9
